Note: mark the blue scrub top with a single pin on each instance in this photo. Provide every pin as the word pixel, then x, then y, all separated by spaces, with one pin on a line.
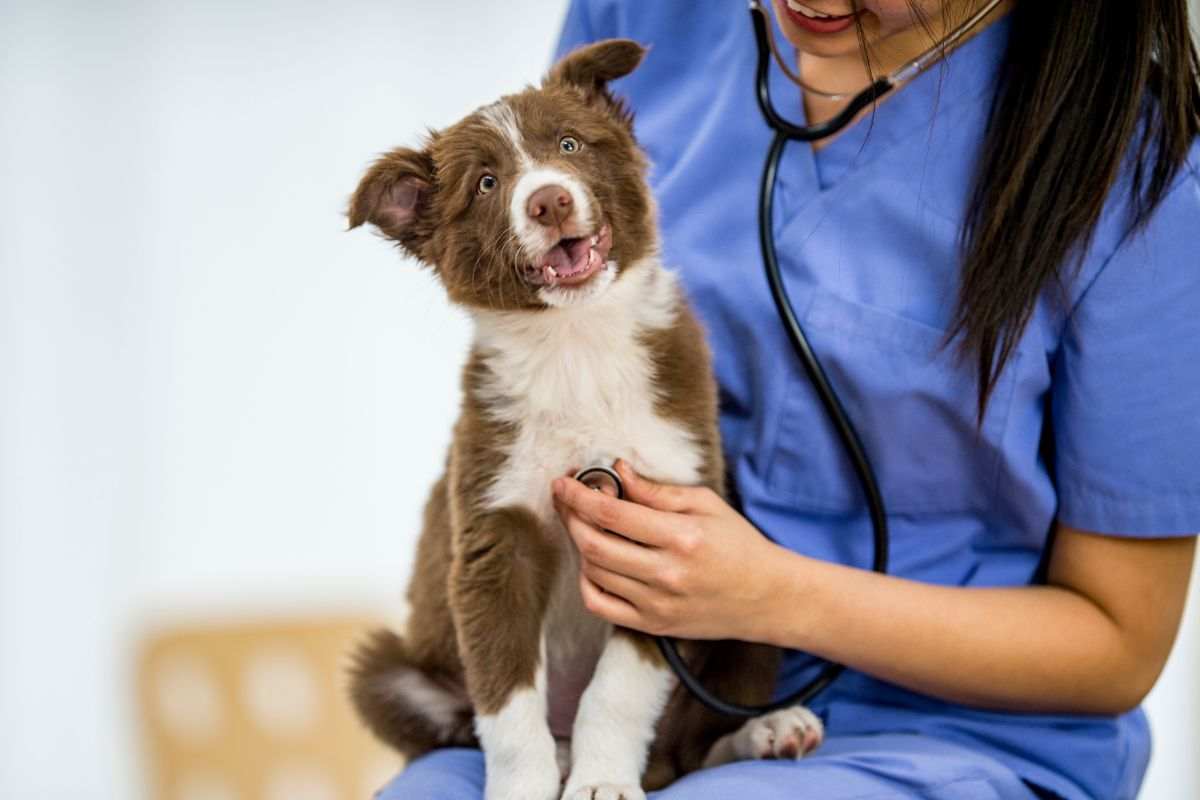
pixel 1095 421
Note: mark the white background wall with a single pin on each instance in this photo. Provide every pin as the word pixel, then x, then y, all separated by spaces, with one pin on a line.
pixel 212 397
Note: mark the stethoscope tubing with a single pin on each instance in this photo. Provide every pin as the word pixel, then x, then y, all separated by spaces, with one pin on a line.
pixel 834 409
pixel 785 131
pixel 847 433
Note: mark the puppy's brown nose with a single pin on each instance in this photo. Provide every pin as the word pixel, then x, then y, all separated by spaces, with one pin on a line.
pixel 550 205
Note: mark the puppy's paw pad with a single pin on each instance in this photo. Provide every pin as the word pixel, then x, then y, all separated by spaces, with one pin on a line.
pixel 606 791
pixel 787 733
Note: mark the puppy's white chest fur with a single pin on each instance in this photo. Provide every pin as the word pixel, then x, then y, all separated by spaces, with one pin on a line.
pixel 578 385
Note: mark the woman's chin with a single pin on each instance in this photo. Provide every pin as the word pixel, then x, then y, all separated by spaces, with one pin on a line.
pixel 823 47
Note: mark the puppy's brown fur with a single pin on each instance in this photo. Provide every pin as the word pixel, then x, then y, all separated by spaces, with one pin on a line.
pixel 484 580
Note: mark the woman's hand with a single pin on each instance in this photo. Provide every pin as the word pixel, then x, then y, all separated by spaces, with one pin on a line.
pixel 685 564
pixel 1092 639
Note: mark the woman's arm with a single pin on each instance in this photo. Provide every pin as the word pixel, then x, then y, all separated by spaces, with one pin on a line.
pixel 1093 640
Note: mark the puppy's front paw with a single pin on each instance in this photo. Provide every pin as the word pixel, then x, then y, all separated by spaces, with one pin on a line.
pixel 787 733
pixel 605 791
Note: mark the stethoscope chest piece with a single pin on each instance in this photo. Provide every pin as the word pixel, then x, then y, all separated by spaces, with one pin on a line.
pixel 599 477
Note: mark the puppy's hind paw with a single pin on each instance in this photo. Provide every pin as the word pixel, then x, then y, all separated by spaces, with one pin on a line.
pixel 787 733
pixel 605 791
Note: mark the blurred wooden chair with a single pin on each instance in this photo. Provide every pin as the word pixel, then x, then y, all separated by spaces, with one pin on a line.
pixel 256 711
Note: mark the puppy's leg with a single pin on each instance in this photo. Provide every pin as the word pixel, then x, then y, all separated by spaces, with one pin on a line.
pixel 617 718
pixel 499 585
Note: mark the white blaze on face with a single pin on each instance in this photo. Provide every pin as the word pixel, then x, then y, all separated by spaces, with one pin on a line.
pixel 534 238
pixel 500 115
pixel 531 175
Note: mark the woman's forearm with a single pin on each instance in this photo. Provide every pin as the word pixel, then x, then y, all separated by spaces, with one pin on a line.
pixel 685 564
pixel 1036 648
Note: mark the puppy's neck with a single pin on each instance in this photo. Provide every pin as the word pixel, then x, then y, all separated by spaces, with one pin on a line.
pixel 645 297
pixel 559 360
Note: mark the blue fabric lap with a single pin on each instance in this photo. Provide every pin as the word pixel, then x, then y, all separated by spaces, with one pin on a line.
pixel 887 767
pixel 454 773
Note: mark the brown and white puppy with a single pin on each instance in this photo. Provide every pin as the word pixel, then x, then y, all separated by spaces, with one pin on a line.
pixel 535 215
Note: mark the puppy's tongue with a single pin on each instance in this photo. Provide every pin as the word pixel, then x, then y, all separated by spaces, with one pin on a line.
pixel 568 257
pixel 572 261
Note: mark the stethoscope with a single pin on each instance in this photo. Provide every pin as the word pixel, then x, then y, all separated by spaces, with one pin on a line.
pixel 786 131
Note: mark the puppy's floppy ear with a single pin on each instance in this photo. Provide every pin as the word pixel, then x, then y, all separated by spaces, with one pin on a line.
pixel 395 195
pixel 592 66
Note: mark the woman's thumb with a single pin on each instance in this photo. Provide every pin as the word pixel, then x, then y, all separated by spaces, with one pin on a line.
pixel 662 496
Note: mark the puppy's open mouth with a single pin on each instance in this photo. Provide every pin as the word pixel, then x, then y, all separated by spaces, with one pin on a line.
pixel 573 260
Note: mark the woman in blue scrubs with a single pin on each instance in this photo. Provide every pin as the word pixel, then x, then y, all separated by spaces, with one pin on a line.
pixel 1043 526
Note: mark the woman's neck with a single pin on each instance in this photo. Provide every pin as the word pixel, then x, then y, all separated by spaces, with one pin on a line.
pixel 848 74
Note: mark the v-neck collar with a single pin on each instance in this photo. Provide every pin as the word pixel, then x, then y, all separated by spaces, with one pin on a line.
pixel 965 74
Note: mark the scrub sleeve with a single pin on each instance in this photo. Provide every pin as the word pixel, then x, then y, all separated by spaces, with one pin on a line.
pixel 1126 391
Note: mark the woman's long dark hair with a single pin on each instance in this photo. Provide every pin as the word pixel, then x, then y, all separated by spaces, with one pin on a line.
pixel 1084 83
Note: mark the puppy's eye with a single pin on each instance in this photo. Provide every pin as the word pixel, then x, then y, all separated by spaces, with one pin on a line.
pixel 568 144
pixel 487 183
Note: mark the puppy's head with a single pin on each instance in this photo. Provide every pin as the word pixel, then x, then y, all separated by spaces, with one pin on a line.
pixel 536 200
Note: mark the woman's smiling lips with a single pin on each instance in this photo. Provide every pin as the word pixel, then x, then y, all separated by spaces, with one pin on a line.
pixel 814 20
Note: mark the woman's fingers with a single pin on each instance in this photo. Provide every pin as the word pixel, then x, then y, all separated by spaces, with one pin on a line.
pixel 609 550
pixel 625 601
pixel 628 589
pixel 661 496
pixel 608 606
pixel 640 523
